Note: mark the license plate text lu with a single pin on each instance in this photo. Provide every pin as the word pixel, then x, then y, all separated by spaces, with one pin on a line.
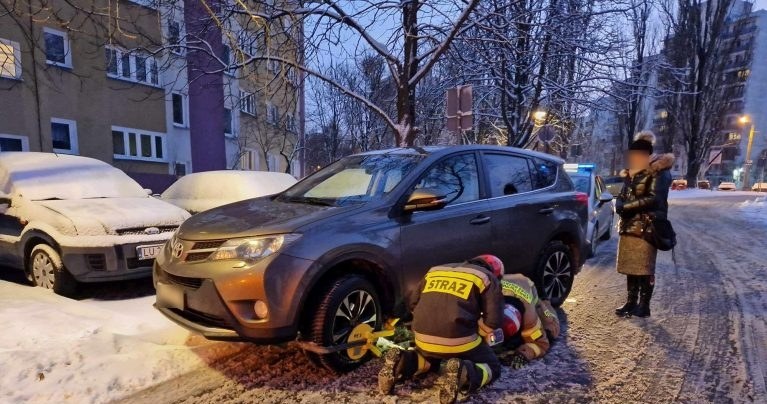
pixel 145 252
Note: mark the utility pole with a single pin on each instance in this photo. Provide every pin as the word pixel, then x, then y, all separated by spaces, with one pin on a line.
pixel 749 163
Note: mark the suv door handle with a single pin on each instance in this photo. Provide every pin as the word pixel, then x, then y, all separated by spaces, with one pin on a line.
pixel 481 219
pixel 546 211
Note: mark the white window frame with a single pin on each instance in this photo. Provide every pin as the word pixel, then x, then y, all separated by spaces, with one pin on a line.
pixel 16 59
pixel 138 156
pixel 252 157
pixel 272 114
pixel 180 47
pixel 233 124
pixel 67 48
pixel 24 140
pixel 250 106
pixel 273 162
pixel 184 110
pixel 150 60
pixel 72 136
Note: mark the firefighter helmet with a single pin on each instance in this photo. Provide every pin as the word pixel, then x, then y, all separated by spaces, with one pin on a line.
pixel 491 262
pixel 512 321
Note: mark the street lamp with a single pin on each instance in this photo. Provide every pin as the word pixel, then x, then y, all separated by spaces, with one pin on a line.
pixel 539 115
pixel 747 167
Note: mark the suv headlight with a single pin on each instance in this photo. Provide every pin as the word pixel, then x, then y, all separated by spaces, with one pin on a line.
pixel 252 248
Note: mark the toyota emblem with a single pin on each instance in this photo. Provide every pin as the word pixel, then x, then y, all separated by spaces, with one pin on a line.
pixel 177 247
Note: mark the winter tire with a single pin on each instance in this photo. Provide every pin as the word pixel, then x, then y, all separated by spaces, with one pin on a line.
pixel 47 271
pixel 555 272
pixel 348 302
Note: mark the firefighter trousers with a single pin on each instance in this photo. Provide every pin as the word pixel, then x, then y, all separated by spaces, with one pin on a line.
pixel 486 363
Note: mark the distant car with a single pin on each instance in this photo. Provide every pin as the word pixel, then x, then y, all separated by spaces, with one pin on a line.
pixel 345 247
pixel 679 184
pixel 601 209
pixel 704 184
pixel 760 187
pixel 68 219
pixel 727 186
pixel 613 184
pixel 202 191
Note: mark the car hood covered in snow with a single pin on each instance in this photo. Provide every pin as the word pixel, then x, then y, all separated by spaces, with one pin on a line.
pixel 254 217
pixel 116 214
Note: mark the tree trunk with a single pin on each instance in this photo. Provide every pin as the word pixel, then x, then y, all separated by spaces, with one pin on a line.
pixel 407 131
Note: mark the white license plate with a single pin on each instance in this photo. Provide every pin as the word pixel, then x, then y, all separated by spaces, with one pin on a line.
pixel 170 296
pixel 145 252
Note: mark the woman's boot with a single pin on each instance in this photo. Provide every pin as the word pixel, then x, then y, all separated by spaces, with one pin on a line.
pixel 632 286
pixel 645 295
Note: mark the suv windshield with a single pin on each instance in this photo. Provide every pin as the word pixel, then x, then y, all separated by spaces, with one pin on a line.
pixel 354 179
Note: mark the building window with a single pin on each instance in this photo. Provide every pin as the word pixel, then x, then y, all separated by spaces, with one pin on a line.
pixel 273 162
pixel 272 114
pixel 743 74
pixel 132 66
pixel 179 109
pixel 136 144
pixel 180 169
pixel 228 122
pixel 248 102
pixel 10 59
pixel 64 136
pixel 10 143
pixel 290 123
pixel 273 66
pixel 174 37
pixel 249 160
pixel 57 50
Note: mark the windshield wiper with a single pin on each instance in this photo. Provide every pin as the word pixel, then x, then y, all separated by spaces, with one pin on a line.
pixel 308 200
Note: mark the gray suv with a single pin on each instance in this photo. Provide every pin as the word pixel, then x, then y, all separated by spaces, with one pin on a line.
pixel 348 244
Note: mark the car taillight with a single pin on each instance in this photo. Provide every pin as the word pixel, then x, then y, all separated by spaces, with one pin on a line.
pixel 582 198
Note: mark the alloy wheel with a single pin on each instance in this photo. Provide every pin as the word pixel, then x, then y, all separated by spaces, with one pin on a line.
pixel 43 270
pixel 557 276
pixel 358 307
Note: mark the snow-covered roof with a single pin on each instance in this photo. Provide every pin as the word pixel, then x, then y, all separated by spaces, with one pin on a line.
pixel 38 176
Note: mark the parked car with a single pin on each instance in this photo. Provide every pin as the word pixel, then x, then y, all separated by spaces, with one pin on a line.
pixel 206 190
pixel 679 184
pixel 727 186
pixel 759 187
pixel 601 207
pixel 704 184
pixel 348 244
pixel 69 219
pixel 614 184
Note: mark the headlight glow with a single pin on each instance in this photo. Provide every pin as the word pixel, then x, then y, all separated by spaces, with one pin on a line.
pixel 252 248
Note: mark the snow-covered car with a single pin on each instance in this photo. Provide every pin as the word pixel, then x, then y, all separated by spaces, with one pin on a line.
pixel 600 200
pixel 679 184
pixel 727 186
pixel 759 187
pixel 202 191
pixel 68 219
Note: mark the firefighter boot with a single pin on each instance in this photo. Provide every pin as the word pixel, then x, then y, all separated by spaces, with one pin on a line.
pixel 645 295
pixel 456 377
pixel 632 286
pixel 391 371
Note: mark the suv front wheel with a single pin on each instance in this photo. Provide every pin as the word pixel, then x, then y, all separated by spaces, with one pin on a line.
pixel 555 272
pixel 349 301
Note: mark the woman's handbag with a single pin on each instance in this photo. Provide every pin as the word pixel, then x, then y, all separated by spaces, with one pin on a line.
pixel 660 233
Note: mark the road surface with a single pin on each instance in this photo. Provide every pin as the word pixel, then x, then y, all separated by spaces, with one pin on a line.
pixel 706 340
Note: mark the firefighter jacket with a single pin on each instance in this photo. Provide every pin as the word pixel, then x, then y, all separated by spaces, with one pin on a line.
pixel 538 317
pixel 451 304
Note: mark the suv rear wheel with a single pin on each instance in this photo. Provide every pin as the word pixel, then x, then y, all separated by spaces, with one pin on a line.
pixel 555 272
pixel 349 301
pixel 46 270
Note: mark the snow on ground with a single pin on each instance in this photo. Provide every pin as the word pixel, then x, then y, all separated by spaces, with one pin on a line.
pixel 755 210
pixel 92 351
pixel 706 193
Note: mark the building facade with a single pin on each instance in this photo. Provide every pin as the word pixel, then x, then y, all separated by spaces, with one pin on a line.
pixel 108 79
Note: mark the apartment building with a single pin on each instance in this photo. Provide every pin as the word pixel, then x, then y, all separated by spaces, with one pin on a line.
pixel 108 79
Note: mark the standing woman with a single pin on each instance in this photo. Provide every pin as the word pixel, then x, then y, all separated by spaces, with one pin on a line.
pixel 644 196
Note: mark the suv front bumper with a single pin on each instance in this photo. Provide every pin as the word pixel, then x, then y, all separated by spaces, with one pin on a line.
pixel 220 306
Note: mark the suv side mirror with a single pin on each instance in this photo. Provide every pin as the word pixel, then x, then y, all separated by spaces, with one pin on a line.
pixel 606 197
pixel 5 202
pixel 425 199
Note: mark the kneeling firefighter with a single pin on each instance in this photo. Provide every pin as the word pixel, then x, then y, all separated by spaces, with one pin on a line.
pixel 453 304
pixel 529 322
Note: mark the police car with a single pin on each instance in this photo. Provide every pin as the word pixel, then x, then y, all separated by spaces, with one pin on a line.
pixel 601 206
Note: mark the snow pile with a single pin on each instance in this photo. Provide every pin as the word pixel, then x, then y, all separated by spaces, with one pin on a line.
pixel 697 193
pixel 755 211
pixel 66 351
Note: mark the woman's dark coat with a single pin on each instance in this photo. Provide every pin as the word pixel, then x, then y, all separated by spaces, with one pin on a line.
pixel 644 196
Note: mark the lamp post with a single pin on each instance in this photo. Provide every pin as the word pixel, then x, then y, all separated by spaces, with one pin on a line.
pixel 747 167
pixel 539 118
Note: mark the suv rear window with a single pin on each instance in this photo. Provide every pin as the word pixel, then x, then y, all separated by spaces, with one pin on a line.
pixel 544 173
